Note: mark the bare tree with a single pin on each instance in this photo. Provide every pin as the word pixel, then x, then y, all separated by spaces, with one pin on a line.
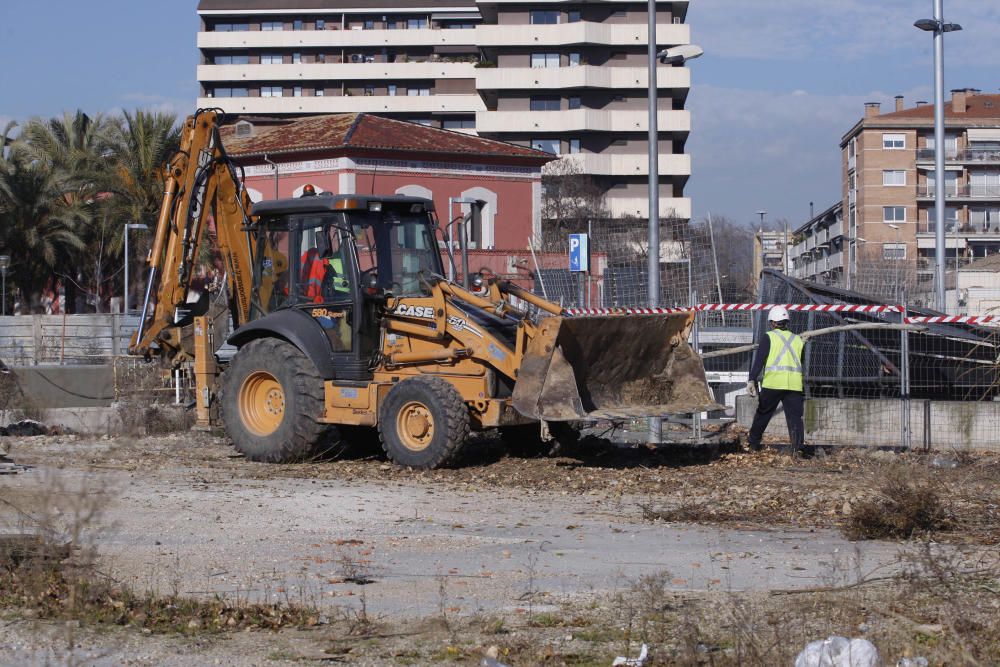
pixel 571 198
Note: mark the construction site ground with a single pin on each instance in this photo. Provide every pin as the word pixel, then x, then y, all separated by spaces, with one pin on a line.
pixel 441 565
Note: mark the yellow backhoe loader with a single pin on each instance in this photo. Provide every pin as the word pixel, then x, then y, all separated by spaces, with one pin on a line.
pixel 343 319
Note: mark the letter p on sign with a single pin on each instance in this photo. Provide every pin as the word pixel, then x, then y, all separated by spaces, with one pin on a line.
pixel 579 253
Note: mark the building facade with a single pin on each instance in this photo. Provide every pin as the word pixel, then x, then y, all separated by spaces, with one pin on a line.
pixel 819 249
pixel 889 183
pixel 364 153
pixel 569 78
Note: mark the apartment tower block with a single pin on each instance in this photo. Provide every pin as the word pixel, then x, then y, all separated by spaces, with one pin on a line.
pixel 566 77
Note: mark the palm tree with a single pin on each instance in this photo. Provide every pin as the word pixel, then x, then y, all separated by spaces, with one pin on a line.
pixel 142 143
pixel 40 219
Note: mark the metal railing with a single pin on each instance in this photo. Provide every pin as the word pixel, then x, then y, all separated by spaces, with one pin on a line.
pixel 980 155
pixel 961 191
pixel 962 228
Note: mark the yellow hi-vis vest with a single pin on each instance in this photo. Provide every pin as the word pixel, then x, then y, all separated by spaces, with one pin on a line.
pixel 783 368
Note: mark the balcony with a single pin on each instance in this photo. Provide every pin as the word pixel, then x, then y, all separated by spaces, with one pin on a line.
pixel 951 191
pixel 579 120
pixel 296 39
pixel 289 73
pixel 954 228
pixel 345 104
pixel 581 32
pixel 583 76
pixel 613 164
pixel 678 207
pixel 968 155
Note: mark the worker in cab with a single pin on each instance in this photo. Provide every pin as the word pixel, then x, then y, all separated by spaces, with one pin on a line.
pixel 778 367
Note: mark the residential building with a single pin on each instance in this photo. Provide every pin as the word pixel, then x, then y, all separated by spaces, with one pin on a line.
pixel 888 185
pixel 820 250
pixel 365 153
pixel 566 77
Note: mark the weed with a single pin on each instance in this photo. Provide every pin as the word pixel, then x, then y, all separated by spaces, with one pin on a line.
pixel 907 504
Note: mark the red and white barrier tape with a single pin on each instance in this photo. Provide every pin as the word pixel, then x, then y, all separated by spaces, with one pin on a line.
pixel 712 307
pixel 954 319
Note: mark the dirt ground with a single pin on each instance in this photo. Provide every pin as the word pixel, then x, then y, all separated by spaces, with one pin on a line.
pixel 547 560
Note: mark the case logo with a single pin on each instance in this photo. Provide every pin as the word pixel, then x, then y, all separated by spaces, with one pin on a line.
pixel 426 312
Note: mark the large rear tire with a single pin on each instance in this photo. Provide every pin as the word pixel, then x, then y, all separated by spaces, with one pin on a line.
pixel 272 397
pixel 423 423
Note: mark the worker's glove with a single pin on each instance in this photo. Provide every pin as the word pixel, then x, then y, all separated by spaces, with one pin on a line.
pixel 752 388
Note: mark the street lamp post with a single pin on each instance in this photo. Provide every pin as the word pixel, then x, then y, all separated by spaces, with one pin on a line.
pixel 4 265
pixel 128 226
pixel 937 26
pixel 677 55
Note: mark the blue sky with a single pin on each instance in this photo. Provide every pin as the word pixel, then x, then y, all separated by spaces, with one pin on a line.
pixel 780 82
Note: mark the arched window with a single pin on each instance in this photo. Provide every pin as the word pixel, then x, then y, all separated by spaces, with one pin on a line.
pixel 484 236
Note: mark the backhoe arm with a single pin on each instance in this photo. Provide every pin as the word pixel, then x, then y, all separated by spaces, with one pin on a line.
pixel 200 183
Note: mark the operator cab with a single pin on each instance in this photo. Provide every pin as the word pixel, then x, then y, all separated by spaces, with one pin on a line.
pixel 336 258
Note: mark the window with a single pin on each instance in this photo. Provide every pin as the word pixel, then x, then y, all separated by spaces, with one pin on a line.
pixel 319 92
pixel 985 219
pixel 544 103
pixel 297 91
pixel 458 26
pixel 230 92
pixel 894 251
pixel 416 24
pixel 321 57
pixel 271 91
pixel 574 146
pixel 547 145
pixel 459 123
pixel 894 213
pixel 357 57
pixel 893 142
pixel 320 24
pixel 413 91
pixel 894 177
pixel 369 24
pixel 272 26
pixel 369 91
pixel 574 102
pixel 852 148
pixel 950 144
pixel 544 17
pixel 950 182
pixel 297 24
pixel 574 59
pixel 232 27
pixel 231 60
pixel 271 59
pixel 544 60
pixel 574 17
pixel 392 89
pixel 296 58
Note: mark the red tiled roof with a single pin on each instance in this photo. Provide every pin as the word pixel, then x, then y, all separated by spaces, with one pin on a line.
pixel 978 106
pixel 362 131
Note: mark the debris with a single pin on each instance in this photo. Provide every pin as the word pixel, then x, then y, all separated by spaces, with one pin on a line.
pixel 941 461
pixel 837 651
pixel 26 428
pixel 635 662
pixel 919 661
pixel 491 662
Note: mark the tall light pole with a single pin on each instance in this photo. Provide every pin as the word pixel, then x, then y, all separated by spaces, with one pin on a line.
pixel 937 26
pixel 897 258
pixel 4 265
pixel 128 226
pixel 677 55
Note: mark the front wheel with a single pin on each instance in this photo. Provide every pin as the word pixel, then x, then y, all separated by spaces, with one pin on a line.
pixel 423 422
pixel 272 397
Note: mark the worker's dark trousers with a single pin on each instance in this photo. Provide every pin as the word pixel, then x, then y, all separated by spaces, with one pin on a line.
pixel 767 403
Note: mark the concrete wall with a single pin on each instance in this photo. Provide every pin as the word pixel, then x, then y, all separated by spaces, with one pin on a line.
pixel 66 386
pixel 942 425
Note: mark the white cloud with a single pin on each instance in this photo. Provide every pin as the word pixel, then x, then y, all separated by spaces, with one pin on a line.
pixel 161 103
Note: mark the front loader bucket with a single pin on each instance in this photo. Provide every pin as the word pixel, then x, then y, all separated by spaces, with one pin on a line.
pixel 611 367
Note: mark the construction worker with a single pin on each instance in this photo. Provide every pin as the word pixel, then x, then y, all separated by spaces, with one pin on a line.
pixel 779 356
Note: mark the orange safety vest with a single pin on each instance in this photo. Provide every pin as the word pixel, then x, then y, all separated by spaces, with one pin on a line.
pixel 313 272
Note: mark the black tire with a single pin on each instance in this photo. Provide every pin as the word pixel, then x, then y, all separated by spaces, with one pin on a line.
pixel 285 377
pixel 440 406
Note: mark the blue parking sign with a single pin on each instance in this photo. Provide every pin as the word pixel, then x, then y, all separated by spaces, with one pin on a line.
pixel 579 253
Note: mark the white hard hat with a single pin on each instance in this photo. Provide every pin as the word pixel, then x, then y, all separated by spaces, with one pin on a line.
pixel 777 314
